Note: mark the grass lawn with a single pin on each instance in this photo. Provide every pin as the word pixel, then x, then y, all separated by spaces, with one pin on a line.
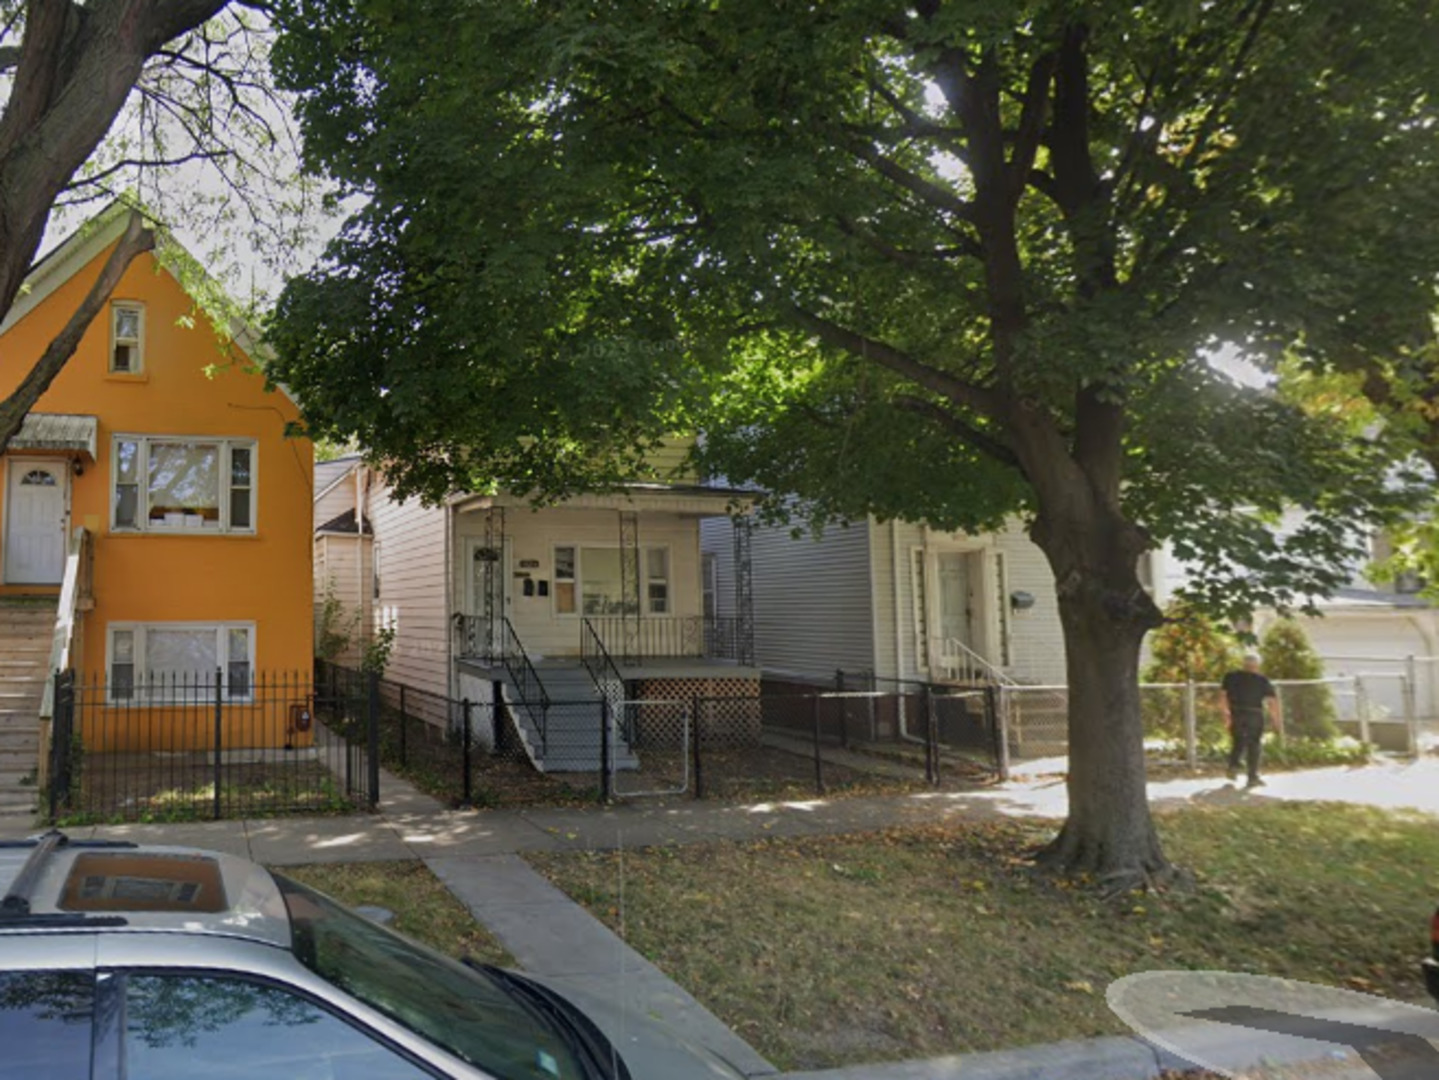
pixel 424 909
pixel 920 941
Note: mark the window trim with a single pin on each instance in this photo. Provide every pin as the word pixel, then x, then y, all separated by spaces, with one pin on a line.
pixel 137 366
pixel 139 629
pixel 143 524
pixel 579 579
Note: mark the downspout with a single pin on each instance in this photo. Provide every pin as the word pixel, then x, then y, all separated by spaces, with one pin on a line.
pixel 898 638
pixel 365 625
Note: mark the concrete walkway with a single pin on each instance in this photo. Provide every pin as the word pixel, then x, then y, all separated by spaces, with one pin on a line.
pixel 476 854
pixel 553 938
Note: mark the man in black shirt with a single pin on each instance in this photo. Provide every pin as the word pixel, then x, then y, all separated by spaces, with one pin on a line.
pixel 1248 695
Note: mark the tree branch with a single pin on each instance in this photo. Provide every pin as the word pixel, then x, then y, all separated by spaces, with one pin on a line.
pixel 978 398
pixel 918 261
pixel 1031 122
pixel 964 431
pixel 1211 117
pixel 138 238
pixel 926 190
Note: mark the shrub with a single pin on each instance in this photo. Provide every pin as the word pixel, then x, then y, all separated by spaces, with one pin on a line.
pixel 1309 711
pixel 1189 647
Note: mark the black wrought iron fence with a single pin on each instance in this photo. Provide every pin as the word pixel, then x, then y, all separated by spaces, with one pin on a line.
pixel 185 747
pixel 484 750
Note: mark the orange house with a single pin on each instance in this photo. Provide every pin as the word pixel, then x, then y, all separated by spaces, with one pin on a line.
pixel 154 515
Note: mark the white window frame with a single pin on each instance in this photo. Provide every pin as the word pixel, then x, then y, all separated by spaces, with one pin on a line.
pixel 579 547
pixel 137 363
pixel 143 524
pixel 139 630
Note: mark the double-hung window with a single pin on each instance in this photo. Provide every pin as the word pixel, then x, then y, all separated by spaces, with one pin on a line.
pixel 178 661
pixel 164 484
pixel 127 338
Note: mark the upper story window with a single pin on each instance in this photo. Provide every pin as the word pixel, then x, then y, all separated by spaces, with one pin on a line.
pixel 167 484
pixel 127 338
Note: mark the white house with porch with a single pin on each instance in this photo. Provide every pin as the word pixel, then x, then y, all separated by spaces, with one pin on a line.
pixel 896 599
pixel 598 597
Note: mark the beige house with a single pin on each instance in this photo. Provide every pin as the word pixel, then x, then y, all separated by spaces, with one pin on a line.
pixel 599 596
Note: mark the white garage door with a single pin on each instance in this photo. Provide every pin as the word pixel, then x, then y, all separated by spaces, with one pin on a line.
pixel 1378 647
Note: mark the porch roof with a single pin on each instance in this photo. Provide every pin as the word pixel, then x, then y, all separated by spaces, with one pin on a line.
pixel 58 431
pixel 702 500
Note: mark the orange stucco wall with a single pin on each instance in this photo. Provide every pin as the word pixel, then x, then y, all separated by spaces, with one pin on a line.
pixel 262 577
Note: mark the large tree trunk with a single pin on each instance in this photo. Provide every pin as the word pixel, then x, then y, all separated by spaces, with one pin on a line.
pixel 1105 612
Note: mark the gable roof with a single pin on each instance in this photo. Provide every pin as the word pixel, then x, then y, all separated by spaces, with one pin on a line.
pixel 345 523
pixel 89 241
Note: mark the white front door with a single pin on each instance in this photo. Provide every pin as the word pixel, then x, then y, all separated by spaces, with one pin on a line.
pixel 35 522
pixel 955 607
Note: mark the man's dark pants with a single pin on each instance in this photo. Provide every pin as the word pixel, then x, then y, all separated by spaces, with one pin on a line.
pixel 1247 734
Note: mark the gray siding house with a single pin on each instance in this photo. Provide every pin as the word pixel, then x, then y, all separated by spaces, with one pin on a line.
pixel 893 598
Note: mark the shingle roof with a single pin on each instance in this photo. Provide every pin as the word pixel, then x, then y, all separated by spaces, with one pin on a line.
pixel 344 523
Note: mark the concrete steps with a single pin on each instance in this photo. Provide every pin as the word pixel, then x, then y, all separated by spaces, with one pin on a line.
pixel 27 626
pixel 573 740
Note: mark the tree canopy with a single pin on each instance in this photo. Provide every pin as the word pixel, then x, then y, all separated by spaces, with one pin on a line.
pixel 943 259
pixel 100 101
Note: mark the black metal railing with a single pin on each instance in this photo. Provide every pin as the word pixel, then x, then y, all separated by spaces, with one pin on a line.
pixel 653 637
pixel 606 675
pixel 228 744
pixel 525 679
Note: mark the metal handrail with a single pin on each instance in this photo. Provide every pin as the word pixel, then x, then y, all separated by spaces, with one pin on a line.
pixel 673 636
pixel 74 589
pixel 526 679
pixel 971 666
pixel 600 664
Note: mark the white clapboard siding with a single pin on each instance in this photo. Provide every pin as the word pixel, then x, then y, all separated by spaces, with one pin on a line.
pixel 334 502
pixel 343 567
pixel 531 537
pixel 411 539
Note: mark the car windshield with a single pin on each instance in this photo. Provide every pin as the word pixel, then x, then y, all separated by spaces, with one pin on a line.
pixel 452 1006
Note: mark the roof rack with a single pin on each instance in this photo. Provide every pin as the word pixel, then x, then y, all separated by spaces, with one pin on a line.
pixel 15 905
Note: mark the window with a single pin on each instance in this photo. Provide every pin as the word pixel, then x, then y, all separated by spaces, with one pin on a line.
pixel 478 1017
pixel 45 1019
pixel 591 581
pixel 239 1028
pixel 657 580
pixel 374 571
pixel 180 485
pixel 161 661
pixel 709 565
pixel 127 333
pixel 38 478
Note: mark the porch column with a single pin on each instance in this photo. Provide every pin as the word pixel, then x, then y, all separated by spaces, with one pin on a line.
pixel 630 600
pixel 743 591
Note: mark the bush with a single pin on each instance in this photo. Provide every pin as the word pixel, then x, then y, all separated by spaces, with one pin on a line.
pixel 1309 711
pixel 1189 647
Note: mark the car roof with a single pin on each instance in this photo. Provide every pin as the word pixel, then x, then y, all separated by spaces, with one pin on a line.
pixel 53 883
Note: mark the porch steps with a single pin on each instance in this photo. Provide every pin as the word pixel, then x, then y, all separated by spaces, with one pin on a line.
pixel 27 625
pixel 572 723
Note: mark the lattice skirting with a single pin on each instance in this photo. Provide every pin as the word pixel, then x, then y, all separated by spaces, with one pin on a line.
pixel 728 711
